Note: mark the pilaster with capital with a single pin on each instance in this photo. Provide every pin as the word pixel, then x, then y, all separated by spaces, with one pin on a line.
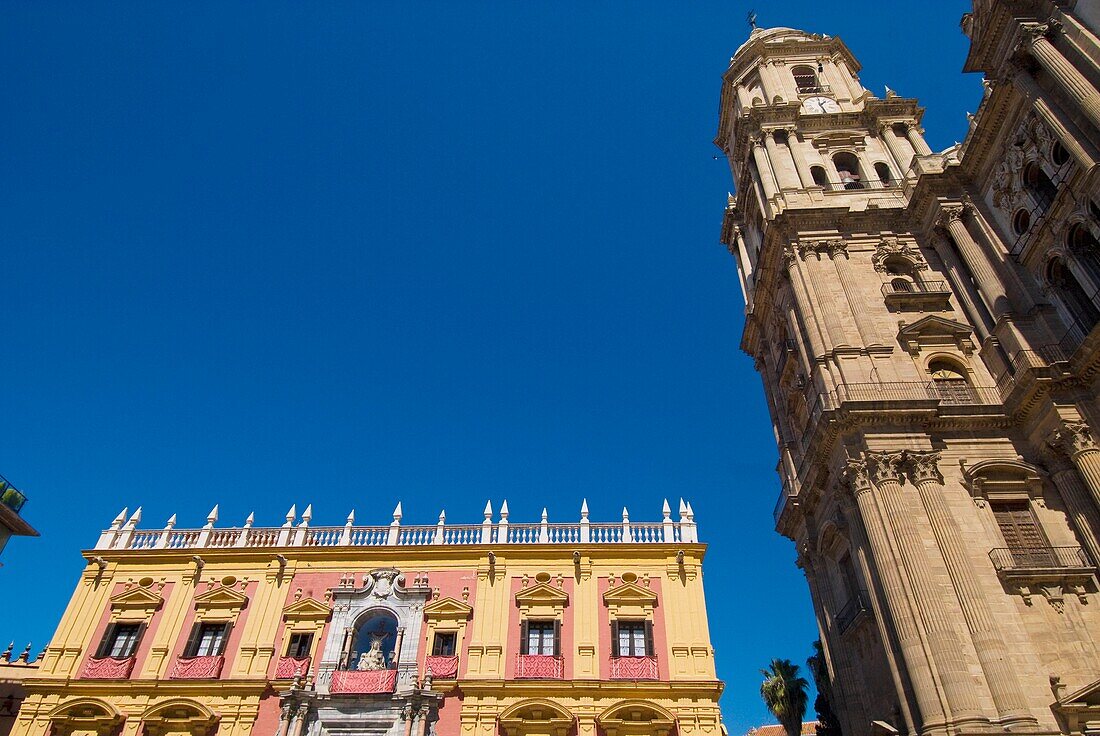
pixel 764 167
pixel 991 287
pixel 1077 441
pixel 923 471
pixel 1037 43
pixel 946 650
pixel 1079 506
pixel 1051 113
pixel 902 159
pixel 901 613
pixel 782 162
pixel 808 314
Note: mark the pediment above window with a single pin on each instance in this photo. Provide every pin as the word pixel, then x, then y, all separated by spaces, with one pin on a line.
pixel 220 602
pixel 306 609
pixel 138 601
pixel 935 332
pixel 1079 709
pixel 447 609
pixel 542 599
pixel 630 599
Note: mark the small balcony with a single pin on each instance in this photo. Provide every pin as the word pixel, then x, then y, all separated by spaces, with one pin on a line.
pixel 442 667
pixel 197 668
pixel 108 668
pixel 363 681
pixel 1030 560
pixel 290 667
pixel 853 611
pixel 539 667
pixel 902 295
pixel 917 391
pixel 633 668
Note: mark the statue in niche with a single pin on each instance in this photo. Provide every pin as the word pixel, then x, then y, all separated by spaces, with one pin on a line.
pixel 374 658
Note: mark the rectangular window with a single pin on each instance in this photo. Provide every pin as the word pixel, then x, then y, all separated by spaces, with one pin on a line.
pixel 631 639
pixel 541 637
pixel 1022 534
pixel 207 640
pixel 444 644
pixel 120 641
pixel 299 645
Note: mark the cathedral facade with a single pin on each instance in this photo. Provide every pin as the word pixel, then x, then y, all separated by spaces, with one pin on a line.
pixel 925 325
pixel 516 629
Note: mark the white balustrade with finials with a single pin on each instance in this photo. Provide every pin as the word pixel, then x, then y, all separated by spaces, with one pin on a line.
pixel 123 533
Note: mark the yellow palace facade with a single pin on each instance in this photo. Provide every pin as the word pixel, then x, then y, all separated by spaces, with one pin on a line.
pixel 517 629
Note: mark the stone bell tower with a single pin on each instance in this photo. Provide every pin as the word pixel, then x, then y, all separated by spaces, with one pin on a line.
pixel 929 409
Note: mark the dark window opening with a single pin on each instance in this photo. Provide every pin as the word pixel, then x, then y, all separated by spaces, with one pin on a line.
pixel 299 645
pixel 821 177
pixel 1073 296
pixel 541 637
pixel 901 285
pixel 631 639
pixel 120 641
pixel 443 645
pixel 884 174
pixel 1040 186
pixel 1021 221
pixel 1058 153
pixel 207 640
pixel 847 168
pixel 805 78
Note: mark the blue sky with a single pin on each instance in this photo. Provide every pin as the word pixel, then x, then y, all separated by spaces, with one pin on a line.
pixel 350 254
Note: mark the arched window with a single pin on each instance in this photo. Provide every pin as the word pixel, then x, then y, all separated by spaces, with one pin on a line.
pixel 1021 221
pixel 902 285
pixel 949 380
pixel 1073 296
pixel 884 174
pixel 821 177
pixel 374 642
pixel 1085 248
pixel 805 78
pixel 1058 153
pixel 1040 186
pixel 847 167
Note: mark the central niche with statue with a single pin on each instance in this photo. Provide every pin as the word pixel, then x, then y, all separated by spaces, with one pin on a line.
pixel 368 672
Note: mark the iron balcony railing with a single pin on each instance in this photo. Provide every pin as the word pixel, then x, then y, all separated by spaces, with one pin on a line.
pixel 901 391
pixel 918 287
pixel 854 184
pixel 847 615
pixel 808 90
pixel 11 496
pixel 1019 559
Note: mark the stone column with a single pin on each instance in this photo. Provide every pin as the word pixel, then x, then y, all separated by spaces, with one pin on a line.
pixel 859 554
pixel 1008 696
pixel 763 168
pixel 805 178
pixel 850 708
pixel 1054 117
pixel 787 178
pixel 1076 497
pixel 964 290
pixel 838 254
pixel 902 159
pixel 300 714
pixel 989 285
pixel 285 714
pixel 946 649
pixel 1073 83
pixel 900 612
pixel 1077 441
pixel 916 139
pixel 806 308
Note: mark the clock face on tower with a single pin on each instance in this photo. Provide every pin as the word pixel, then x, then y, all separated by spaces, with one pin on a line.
pixel 820 105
